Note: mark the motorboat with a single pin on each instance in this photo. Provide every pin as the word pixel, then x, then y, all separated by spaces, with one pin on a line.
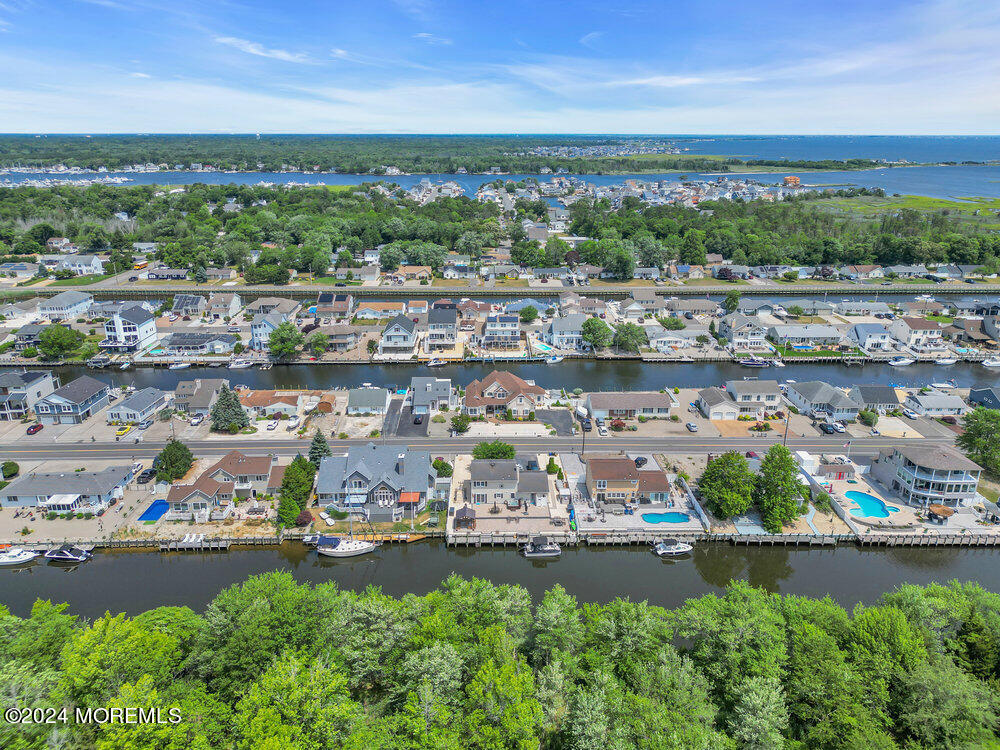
pixel 124 365
pixel 179 366
pixel 554 359
pixel 266 366
pixel 945 361
pixel 436 362
pixel 755 362
pixel 17 556
pixel 671 548
pixel 778 363
pixel 944 386
pixel 101 360
pixel 990 362
pixel 240 364
pixel 310 540
pixel 901 361
pixel 541 547
pixel 68 553
pixel 335 546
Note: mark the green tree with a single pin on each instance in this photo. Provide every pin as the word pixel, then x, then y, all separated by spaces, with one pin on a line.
pixel 981 437
pixel 200 275
pixel 726 486
pixel 228 414
pixel 558 626
pixel 596 333
pixel 868 417
pixel 502 709
pixel 58 342
pixel 777 490
pixel 672 324
pixel 460 423
pixel 759 719
pixel 529 314
pixel 319 448
pixel 318 343
pixel 9 469
pixel 496 449
pixel 175 461
pixel 796 311
pixel 442 468
pixel 629 337
pixel 732 301
pixel 284 341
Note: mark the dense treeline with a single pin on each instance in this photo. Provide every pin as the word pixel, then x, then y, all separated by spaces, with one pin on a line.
pixel 359 154
pixel 274 664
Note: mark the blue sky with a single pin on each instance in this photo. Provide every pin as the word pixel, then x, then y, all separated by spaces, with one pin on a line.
pixel 438 66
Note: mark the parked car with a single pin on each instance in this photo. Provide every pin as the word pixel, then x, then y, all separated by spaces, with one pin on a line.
pixel 602 430
pixel 197 419
pixel 587 425
pixel 292 424
pixel 36 427
pixel 691 427
pixel 838 427
pixel 752 454
pixel 910 414
pixel 640 461
pixel 272 425
pixel 145 424
pixel 122 431
pixel 419 419
pixel 133 278
pixel 826 428
pixel 145 477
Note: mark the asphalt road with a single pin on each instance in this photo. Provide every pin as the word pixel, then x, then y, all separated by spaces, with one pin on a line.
pixel 678 444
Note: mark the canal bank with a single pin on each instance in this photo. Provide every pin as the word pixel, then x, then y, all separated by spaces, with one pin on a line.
pixel 134 582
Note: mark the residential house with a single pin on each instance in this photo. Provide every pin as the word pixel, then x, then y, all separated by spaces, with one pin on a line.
pixel 612 480
pixel 493 481
pixel 221 274
pixel 715 403
pixel 566 332
pixel 918 334
pixel 140 406
pixel 678 307
pixel 972 331
pixel 20 391
pixel 264 403
pixel 880 398
pixel 205 499
pixel 67 492
pixel 367 400
pixel 22 311
pixel 499 392
pixel 861 272
pixel 742 333
pixel 924 474
pixel 184 342
pixel 457 270
pixel 629 404
pixel 808 306
pixel 986 396
pixel 167 274
pixel 442 329
pixel 650 273
pixel 224 305
pixel 249 475
pixel 68 304
pixel 74 402
pixel 814 398
pixel 261 328
pixel 754 398
pixel 417 307
pixel 268 305
pixel 379 310
pixel 936 404
pixel 191 305
pixel 197 397
pixel 382 483
pixel 811 334
pixel 654 487
pixel 81 265
pixel 411 273
pixel 29 335
pixel 131 330
pixel 399 336
pixel 429 395
pixel 341 338
pixel 330 305
pixel 905 271
pixel 501 332
pixel 872 337
pixel 534 487
pixel 862 307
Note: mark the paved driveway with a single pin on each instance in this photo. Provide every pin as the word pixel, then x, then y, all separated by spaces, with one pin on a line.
pixel 560 419
pixel 404 424
pixel 392 415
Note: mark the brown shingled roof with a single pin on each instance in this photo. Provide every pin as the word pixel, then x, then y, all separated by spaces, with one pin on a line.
pixel 613 469
pixel 235 463
pixel 511 383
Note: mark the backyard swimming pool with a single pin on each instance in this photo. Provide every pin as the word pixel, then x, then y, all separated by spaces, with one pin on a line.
pixel 869 506
pixel 543 347
pixel 672 516
pixel 155 512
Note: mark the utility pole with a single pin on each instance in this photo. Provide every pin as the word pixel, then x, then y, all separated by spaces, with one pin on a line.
pixel 788 416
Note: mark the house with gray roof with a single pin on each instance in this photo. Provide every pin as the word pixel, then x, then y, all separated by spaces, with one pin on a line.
pixel 754 397
pixel 987 396
pixel 68 492
pixel 811 334
pixel 399 336
pixel 862 307
pixel 430 394
pixel 384 483
pixel 809 306
pixel 261 328
pixel 192 305
pixel 74 402
pixel 197 397
pixel 367 400
pixel 936 404
pixel 20 391
pixel 131 329
pixel 814 398
pixel 926 474
pixel 442 329
pixel 881 398
pixel 196 342
pixel 715 403
pixel 140 406
pixel 566 332
pixel 629 404
pixel 68 304
pixel 493 481
pixel 872 337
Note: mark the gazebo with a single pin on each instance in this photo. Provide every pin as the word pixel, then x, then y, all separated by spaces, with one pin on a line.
pixel 939 513
pixel 465 518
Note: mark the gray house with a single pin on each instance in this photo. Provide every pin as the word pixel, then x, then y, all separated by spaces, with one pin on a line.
pixel 196 397
pixel 816 398
pixel 138 407
pixel 20 391
pixel 875 397
pixel 430 394
pixel 74 402
pixel 367 401
pixel 73 492
pixel 493 481
pixel 399 336
pixel 381 483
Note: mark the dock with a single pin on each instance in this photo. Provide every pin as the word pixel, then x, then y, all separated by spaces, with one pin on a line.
pixel 195 543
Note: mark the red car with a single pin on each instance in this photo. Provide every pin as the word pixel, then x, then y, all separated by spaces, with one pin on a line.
pixel 36 427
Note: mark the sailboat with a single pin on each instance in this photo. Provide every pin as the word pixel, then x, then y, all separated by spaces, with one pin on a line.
pixel 336 546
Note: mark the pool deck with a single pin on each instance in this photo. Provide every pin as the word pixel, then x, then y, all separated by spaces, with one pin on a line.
pixel 904 518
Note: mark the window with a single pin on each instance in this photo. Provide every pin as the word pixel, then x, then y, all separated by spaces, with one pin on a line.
pixel 602 484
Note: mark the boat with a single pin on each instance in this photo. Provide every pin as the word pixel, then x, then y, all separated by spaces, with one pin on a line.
pixel 124 365
pixel 101 360
pixel 990 362
pixel 240 364
pixel 901 361
pixel 266 366
pixel 17 556
pixel 945 361
pixel 68 553
pixel 554 359
pixel 540 547
pixel 778 363
pixel 335 546
pixel 179 366
pixel 436 363
pixel 755 362
pixel 943 386
pixel 671 547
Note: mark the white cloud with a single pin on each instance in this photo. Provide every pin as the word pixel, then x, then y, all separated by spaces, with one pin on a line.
pixel 140 75
pixel 587 40
pixel 253 48
pixel 431 38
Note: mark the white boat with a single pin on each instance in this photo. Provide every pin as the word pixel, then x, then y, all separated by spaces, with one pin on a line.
pixel 266 366
pixel 124 365
pixel 179 366
pixel 945 361
pixel 17 556
pixel 671 547
pixel 541 547
pixel 755 362
pixel 554 359
pixel 901 361
pixel 335 546
pixel 240 364
pixel 990 362
pixel 778 363
pixel 942 386
pixel 436 363
pixel 68 553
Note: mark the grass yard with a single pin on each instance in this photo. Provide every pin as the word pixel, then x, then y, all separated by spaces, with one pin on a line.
pixel 709 281
pixel 940 318
pixel 82 280
pixel 789 352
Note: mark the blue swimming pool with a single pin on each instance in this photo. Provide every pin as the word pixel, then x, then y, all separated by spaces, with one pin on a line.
pixel 869 506
pixel 672 516
pixel 156 511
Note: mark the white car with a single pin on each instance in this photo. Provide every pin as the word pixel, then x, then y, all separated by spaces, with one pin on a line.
pixel 197 419
pixel 602 430
pixel 838 427
pixel 910 414
pixel 273 424
pixel 292 424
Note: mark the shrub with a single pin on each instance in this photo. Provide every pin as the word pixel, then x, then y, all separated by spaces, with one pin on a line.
pixel 304 518
pixel 617 425
pixel 675 418
pixel 341 436
pixel 793 409
pixel 29 352
pixel 9 469
pixel 676 390
pixel 442 467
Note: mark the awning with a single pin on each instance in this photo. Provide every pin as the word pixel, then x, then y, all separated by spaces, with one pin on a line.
pixel 409 497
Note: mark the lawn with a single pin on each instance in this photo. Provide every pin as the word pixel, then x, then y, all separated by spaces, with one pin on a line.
pixel 940 318
pixel 82 280
pixel 709 281
pixel 787 351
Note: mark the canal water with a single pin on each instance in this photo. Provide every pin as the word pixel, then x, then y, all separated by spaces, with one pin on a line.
pixel 588 374
pixel 133 582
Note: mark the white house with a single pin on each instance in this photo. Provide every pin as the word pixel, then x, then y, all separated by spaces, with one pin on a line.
pixel 129 330
pixel 742 332
pixel 816 398
pixel 138 407
pixel 69 304
pixel 872 337
pixel 261 328
pixel 566 332
pixel 399 336
pixel 918 334
pixel 936 404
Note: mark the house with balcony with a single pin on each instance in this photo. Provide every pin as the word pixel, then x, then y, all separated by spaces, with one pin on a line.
pixel 249 475
pixel 918 334
pixel 383 483
pixel 871 337
pixel 612 480
pixel 194 342
pixel 261 328
pixel 493 481
pixel 814 398
pixel 30 335
pixel 74 402
pixel 811 334
pixel 20 391
pixel 130 330
pixel 925 475
pixel 754 398
pixel 267 305
pixel 442 329
pixel 743 333
pixel 69 304
pixel 140 406
pixel 399 336
pixel 428 395
pixel 67 492
pixel 224 305
pixel 500 392
pixel 204 500
pixel 500 332
pixel 566 332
